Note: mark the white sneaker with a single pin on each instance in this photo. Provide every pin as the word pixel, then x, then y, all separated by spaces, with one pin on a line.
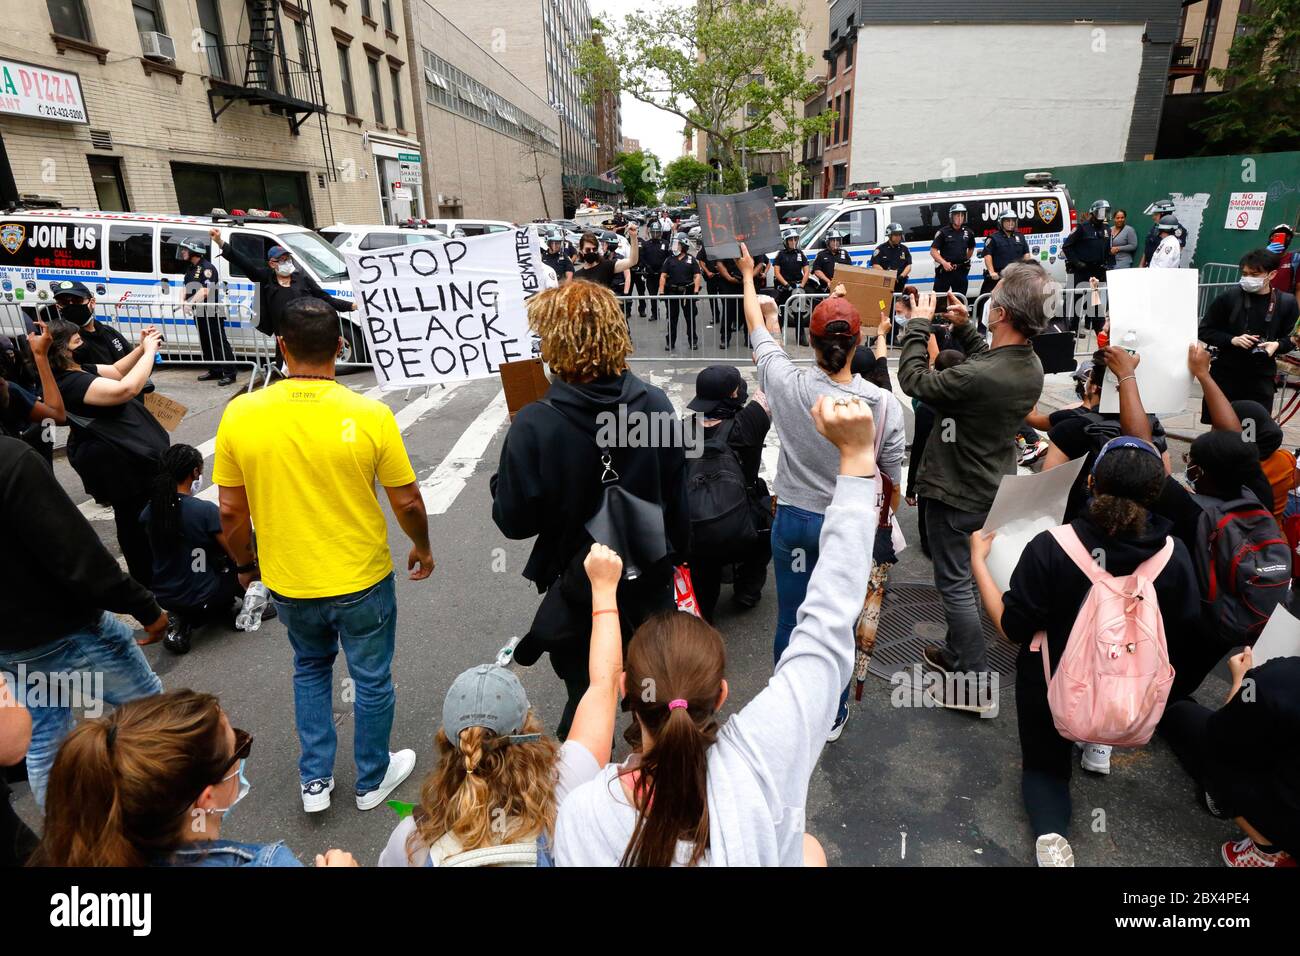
pixel 838 729
pixel 1095 757
pixel 316 795
pixel 400 765
pixel 1052 849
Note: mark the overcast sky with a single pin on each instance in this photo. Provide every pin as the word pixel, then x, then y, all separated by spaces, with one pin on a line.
pixel 659 132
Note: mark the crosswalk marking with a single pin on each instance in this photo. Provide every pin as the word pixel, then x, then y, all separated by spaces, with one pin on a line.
pixel 448 480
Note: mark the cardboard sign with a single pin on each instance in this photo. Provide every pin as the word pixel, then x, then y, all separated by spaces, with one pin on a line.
pixel 1245 211
pixel 523 382
pixel 1153 313
pixel 868 290
pixel 449 310
pixel 168 411
pixel 1024 507
pixel 727 221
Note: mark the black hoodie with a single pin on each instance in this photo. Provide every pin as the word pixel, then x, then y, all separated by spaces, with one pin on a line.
pixel 548 482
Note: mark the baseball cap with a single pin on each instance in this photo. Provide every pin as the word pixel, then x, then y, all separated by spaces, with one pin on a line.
pixel 1124 441
pixel 488 696
pixel 70 287
pixel 835 309
pixel 275 252
pixel 713 386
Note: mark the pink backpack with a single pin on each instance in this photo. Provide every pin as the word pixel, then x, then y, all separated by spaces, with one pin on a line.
pixel 1113 680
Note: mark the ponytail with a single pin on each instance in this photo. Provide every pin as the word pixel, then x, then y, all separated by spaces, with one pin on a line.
pixel 833 351
pixel 177 462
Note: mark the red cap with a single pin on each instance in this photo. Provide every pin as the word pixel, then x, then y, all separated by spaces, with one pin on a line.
pixel 835 309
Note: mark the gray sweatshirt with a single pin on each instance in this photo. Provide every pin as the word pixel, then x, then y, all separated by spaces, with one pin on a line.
pixel 763 758
pixel 1126 241
pixel 808 464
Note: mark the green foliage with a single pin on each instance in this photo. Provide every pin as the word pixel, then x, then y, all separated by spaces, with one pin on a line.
pixel 686 176
pixel 640 174
pixel 1259 112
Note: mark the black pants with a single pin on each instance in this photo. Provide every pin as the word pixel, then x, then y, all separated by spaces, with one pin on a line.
pixel 1241 384
pixel 213 341
pixel 217 608
pixel 747 579
pixel 652 295
pixel 638 290
pixel 731 312
pixel 17 841
pixel 956 281
pixel 1046 758
pixel 679 307
pixel 133 537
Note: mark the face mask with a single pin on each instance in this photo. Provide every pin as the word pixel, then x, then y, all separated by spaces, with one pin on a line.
pixel 244 787
pixel 1254 284
pixel 77 313
pixel 285 269
pixel 198 484
pixel 591 256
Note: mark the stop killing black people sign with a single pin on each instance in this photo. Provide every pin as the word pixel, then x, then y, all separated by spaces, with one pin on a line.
pixel 447 311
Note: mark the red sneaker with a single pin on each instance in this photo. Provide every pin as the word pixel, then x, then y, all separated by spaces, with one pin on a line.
pixel 1245 853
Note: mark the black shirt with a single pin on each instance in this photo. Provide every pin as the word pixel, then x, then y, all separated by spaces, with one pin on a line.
pixel 825 262
pixel 893 258
pixel 1005 249
pixel 747 436
pixel 1078 432
pixel 559 262
pixel 790 264
pixel 680 272
pixel 955 245
pixel 1089 245
pixel 654 252
pixel 1237 312
pixel 176 583
pixel 103 346
pixel 602 273
pixel 274 297
pixel 201 275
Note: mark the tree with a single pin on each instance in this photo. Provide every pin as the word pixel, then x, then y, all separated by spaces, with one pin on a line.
pixel 735 70
pixel 686 175
pixel 639 173
pixel 1261 100
pixel 538 175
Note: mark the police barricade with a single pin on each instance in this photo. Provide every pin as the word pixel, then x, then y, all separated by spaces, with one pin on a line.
pixel 1217 273
pixel 190 330
pixel 797 312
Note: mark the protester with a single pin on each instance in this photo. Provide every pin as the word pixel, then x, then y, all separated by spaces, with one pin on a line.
pixel 726 418
pixel 17 841
pixel 805 475
pixel 536 492
pixel 300 459
pixel 978 407
pixel 593 267
pixel 151 785
pixel 28 415
pixel 1243 758
pixel 60 586
pixel 922 424
pixel 100 343
pixel 1277 464
pixel 115 443
pixel 1250 326
pixel 1117 537
pixel 1279 243
pixel 701 793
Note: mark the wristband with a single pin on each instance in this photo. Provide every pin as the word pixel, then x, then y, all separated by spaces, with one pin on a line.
pixel 1124 379
pixel 246 568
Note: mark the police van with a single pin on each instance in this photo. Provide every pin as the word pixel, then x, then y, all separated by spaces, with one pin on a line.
pixel 131 259
pixel 362 237
pixel 1047 217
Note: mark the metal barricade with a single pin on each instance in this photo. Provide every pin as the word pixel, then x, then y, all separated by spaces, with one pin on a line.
pixel 1217 273
pixel 191 333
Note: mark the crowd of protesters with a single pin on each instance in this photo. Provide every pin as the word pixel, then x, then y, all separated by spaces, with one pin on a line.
pixel 632 544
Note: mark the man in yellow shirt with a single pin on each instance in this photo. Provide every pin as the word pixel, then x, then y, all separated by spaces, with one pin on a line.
pixel 300 460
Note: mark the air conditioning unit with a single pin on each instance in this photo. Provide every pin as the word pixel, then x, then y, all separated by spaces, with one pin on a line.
pixel 159 47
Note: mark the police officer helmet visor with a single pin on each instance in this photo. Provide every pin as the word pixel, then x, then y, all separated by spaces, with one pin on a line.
pixel 957 209
pixel 894 229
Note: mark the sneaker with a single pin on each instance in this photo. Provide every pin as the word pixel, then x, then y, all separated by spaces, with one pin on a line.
pixel 1244 853
pixel 940 658
pixel 316 795
pixel 178 637
pixel 1052 849
pixel 837 730
pixel 954 693
pixel 1095 757
pixel 1031 453
pixel 400 765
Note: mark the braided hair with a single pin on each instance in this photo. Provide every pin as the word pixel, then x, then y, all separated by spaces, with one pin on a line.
pixel 178 462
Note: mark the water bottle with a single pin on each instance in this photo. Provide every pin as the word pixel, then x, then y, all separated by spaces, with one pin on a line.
pixel 250 615
pixel 1130 342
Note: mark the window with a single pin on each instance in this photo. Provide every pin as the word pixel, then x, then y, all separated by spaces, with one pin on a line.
pixel 130 249
pixel 366 10
pixel 835 64
pixel 345 76
pixel 382 240
pixel 919 223
pixel 841 175
pixel 846 117
pixel 251 246
pixel 106 174
pixel 860 224
pixel 300 34
pixel 68 18
pixel 200 188
pixel 148 17
pixel 210 27
pixel 1037 213
pixel 388 16
pixel 848 56
pixel 169 249
pixel 376 94
pixel 399 120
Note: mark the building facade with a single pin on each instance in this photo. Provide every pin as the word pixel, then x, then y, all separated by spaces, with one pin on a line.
pixel 840 75
pixel 185 105
pixel 609 126
pixel 497 152
pixel 631 145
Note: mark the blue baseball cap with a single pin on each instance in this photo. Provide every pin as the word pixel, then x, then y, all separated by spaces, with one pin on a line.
pixel 275 252
pixel 1125 441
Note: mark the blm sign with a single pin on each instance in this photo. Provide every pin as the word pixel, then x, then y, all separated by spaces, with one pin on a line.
pixel 447 311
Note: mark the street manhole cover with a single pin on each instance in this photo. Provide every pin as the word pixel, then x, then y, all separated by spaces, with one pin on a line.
pixel 912 618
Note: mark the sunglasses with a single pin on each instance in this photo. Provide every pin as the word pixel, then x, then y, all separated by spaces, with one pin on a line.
pixel 243 747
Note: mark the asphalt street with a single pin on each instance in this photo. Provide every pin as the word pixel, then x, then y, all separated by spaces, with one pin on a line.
pixel 903 786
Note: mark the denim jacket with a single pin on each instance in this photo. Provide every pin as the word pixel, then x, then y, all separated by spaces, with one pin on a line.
pixel 230 853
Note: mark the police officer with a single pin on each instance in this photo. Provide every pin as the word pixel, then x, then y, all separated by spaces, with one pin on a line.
pixel 892 255
pixel 951 251
pixel 554 255
pixel 680 275
pixel 823 267
pixel 1002 248
pixel 729 285
pixel 709 272
pixel 791 267
pixel 654 252
pixel 1087 249
pixel 201 295
pixel 1157 211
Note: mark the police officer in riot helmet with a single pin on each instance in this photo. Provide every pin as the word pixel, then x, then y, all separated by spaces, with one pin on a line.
pixel 201 295
pixel 554 255
pixel 951 250
pixel 791 266
pixel 1087 249
pixel 892 255
pixel 1004 247
pixel 1158 210
pixel 645 277
pixel 680 276
pixel 823 267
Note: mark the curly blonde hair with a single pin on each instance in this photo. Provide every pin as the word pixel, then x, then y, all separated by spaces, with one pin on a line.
pixel 471 786
pixel 584 335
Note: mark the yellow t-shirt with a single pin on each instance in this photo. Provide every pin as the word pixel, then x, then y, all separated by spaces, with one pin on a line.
pixel 307 453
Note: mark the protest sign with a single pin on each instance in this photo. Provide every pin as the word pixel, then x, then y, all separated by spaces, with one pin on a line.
pixel 523 382
pixel 447 311
pixel 1280 637
pixel 1153 313
pixel 168 411
pixel 727 221
pixel 868 290
pixel 1026 506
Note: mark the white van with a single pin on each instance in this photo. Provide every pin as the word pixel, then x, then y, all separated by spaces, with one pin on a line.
pixel 468 228
pixel 1047 217
pixel 126 257
pixel 354 237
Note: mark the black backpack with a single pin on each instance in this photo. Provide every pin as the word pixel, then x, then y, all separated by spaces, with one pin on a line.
pixel 722 521
pixel 1243 565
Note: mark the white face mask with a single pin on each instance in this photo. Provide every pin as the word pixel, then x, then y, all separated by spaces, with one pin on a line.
pixel 197 485
pixel 285 269
pixel 1255 284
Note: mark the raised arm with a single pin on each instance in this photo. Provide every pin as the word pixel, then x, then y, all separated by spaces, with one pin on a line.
pixel 257 271
pixel 1133 418
pixel 597 711
pixel 51 404
pixel 105 391
pixel 1222 417
pixel 634 252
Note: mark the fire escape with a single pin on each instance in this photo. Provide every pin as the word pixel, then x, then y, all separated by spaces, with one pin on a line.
pixel 291 88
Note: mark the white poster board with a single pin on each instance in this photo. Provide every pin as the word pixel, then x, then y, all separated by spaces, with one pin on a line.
pixel 1153 312
pixel 447 311
pixel 1245 211
pixel 1026 506
pixel 1280 637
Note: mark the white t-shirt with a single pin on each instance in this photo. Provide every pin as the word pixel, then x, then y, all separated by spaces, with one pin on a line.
pixel 1168 255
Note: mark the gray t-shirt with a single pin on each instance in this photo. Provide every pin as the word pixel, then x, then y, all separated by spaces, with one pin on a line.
pixel 808 465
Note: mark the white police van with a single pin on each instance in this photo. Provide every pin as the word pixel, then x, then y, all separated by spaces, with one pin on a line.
pixel 1046 211
pixel 130 259
pixel 362 237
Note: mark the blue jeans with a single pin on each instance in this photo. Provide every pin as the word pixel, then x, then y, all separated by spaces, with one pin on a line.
pixel 365 623
pixel 80 672
pixel 796 537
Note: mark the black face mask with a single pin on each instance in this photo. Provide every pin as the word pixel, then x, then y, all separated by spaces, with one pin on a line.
pixel 77 313
pixel 591 256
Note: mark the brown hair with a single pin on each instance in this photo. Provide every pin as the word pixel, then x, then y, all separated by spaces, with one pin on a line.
pixel 61 333
pixel 471 786
pixel 673 656
pixel 584 335
pixel 122 785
